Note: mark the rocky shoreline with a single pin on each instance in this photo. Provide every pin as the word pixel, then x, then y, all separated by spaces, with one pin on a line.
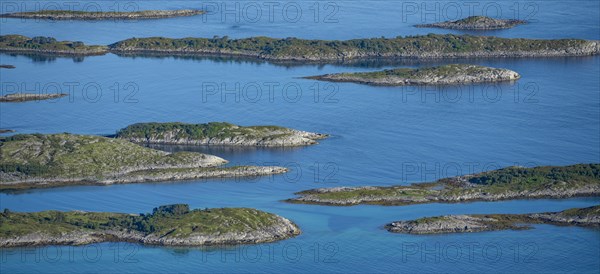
pixel 24 97
pixel 440 75
pixel 475 23
pixel 85 15
pixel 8 182
pixel 209 227
pixel 432 46
pixel 514 184
pixel 222 134
pixel 587 217
pixel 41 161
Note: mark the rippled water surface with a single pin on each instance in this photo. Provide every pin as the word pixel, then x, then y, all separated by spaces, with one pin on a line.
pixel 380 136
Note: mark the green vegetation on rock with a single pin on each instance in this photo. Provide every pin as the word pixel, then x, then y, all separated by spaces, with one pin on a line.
pixel 446 74
pixel 588 217
pixel 47 45
pixel 170 224
pixel 428 46
pixel 476 23
pixel 217 133
pixel 506 183
pixel 37 160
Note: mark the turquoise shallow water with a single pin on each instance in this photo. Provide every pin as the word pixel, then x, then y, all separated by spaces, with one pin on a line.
pixel 380 136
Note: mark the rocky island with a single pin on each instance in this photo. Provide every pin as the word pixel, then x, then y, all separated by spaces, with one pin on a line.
pixel 38 161
pixel 169 225
pixel 24 97
pixel 217 134
pixel 2 131
pixel 431 46
pixel 47 45
pixel 503 184
pixel 98 15
pixel 7 66
pixel 475 23
pixel 294 49
pixel 440 75
pixel 588 217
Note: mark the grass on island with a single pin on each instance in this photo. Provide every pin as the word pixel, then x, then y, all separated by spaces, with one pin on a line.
pixel 431 43
pixel 170 220
pixel 200 131
pixel 510 179
pixel 68 155
pixel 41 43
pixel 517 221
pixel 421 73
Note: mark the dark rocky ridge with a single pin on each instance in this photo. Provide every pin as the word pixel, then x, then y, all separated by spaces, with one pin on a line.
pixel 23 97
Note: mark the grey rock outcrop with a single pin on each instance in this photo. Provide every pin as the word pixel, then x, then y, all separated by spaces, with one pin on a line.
pixel 475 23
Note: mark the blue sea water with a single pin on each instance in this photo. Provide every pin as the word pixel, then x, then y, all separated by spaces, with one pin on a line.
pixel 380 136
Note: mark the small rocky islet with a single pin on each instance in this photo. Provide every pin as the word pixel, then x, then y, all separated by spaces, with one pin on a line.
pixel 99 15
pixel 217 133
pixel 51 160
pixel 441 75
pixel 24 97
pixel 7 66
pixel 579 180
pixel 169 225
pixel 431 46
pixel 586 217
pixel 475 23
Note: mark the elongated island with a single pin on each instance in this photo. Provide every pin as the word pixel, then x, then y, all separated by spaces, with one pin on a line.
pixel 503 184
pixel 303 50
pixel 169 225
pixel 217 133
pixel 475 23
pixel 47 46
pixel 38 161
pixel 100 15
pixel 24 97
pixel 440 75
pixel 587 217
